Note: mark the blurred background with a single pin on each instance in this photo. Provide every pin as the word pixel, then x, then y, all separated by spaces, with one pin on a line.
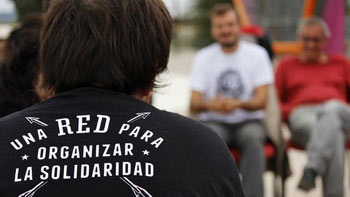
pixel 277 18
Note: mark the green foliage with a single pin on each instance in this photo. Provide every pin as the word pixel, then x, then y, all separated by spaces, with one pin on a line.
pixel 202 21
pixel 26 7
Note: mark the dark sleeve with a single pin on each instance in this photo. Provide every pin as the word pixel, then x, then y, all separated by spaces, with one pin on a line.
pixel 225 169
pixel 217 170
pixel 201 161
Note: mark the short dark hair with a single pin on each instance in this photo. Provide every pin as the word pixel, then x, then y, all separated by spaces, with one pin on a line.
pixel 221 9
pixel 114 44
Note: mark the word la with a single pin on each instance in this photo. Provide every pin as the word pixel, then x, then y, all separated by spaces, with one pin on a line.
pixel 26 175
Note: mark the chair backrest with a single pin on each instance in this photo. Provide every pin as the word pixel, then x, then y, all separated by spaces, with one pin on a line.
pixel 273 118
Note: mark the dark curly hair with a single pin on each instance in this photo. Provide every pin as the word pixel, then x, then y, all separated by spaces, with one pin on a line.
pixel 18 71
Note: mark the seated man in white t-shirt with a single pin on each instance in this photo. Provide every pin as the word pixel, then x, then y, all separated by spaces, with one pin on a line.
pixel 229 84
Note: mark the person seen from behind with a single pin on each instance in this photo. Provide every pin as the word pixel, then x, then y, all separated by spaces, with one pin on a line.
pixel 98 135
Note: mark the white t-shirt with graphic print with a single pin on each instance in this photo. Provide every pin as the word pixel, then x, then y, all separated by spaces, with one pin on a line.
pixel 234 75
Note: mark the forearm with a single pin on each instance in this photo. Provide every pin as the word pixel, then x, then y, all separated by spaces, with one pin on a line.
pixel 253 104
pixel 200 106
pixel 259 100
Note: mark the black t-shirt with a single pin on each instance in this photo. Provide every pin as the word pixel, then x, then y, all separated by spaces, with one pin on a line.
pixel 96 142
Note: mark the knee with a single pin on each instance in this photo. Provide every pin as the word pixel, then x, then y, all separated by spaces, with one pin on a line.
pixel 333 107
pixel 255 136
pixel 303 126
pixel 253 143
pixel 332 112
pixel 301 121
pixel 220 131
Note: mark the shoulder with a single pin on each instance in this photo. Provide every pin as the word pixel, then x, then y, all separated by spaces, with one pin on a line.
pixel 189 127
pixel 287 61
pixel 202 147
pixel 208 51
pixel 194 135
pixel 252 48
pixel 13 123
pixel 18 114
pixel 339 59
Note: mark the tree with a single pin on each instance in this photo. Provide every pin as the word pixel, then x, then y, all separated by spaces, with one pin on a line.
pixel 25 7
pixel 202 21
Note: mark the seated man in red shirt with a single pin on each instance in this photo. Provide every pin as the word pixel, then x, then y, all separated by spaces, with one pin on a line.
pixel 312 90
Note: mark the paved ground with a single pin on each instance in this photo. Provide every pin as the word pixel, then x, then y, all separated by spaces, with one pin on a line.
pixel 175 98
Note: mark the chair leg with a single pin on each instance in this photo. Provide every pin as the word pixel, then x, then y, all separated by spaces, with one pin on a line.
pixel 277 186
pixel 347 161
pixel 283 187
pixel 284 176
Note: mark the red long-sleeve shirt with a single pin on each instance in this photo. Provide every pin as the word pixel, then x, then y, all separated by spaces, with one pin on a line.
pixel 301 83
